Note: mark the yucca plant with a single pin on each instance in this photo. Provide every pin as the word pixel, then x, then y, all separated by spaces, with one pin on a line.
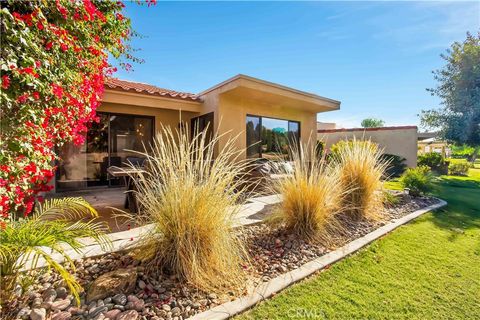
pixel 191 195
pixel 52 229
pixel 360 168
pixel 311 195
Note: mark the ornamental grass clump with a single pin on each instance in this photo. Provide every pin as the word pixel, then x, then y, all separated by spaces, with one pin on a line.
pixel 53 229
pixel 191 198
pixel 311 195
pixel 360 168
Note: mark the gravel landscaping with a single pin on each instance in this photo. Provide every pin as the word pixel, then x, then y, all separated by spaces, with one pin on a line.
pixel 117 288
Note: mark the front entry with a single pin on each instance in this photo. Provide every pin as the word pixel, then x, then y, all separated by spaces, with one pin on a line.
pixel 107 144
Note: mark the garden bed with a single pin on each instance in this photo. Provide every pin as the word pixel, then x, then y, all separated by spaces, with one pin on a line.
pixel 273 252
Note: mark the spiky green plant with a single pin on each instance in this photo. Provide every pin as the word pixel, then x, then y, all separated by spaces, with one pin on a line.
pixel 311 195
pixel 53 229
pixel 191 194
pixel 361 167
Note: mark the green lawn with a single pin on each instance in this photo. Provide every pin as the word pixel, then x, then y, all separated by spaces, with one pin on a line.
pixel 427 269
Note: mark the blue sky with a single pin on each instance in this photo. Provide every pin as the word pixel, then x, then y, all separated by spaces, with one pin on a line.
pixel 375 57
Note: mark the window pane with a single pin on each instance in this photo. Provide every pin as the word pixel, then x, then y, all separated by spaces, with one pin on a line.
pixel 274 137
pixel 294 131
pixel 269 138
pixel 253 137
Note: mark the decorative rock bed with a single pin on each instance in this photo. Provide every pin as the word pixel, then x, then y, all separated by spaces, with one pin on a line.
pixel 117 287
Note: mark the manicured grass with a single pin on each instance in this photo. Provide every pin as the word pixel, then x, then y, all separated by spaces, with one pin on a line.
pixel 427 269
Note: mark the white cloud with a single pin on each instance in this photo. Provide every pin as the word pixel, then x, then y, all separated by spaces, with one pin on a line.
pixel 429 25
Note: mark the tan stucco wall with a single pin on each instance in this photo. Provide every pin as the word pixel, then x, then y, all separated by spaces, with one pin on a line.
pixel 231 112
pixel 401 142
pixel 166 117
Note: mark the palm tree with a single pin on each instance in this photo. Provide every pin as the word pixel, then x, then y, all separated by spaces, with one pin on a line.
pixel 54 228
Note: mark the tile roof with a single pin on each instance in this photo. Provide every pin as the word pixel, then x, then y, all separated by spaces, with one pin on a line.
pixel 137 87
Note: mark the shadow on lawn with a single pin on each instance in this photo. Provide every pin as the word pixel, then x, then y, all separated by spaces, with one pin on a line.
pixel 463 210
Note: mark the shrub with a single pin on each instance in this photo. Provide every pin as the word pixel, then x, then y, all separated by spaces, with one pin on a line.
pixel 462 151
pixel 51 230
pixel 459 169
pixel 360 169
pixel 191 197
pixel 54 58
pixel 390 199
pixel 311 195
pixel 418 180
pixel 396 165
pixel 433 160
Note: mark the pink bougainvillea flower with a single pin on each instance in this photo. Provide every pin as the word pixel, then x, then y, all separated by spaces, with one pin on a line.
pixel 57 90
pixel 5 82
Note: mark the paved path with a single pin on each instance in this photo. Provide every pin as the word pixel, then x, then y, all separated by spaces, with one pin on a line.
pixel 255 210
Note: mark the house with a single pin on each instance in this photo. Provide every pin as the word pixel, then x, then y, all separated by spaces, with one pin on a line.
pixel 258 111
pixel 400 140
pixel 326 125
pixel 429 142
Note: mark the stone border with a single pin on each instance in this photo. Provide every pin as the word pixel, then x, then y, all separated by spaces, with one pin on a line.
pixel 266 290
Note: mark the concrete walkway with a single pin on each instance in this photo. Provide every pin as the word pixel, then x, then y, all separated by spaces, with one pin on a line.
pixel 254 211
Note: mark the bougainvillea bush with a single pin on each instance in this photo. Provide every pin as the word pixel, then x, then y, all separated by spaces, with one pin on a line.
pixel 53 65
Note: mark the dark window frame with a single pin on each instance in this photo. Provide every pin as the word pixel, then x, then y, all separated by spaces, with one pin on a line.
pixel 108 115
pixel 261 126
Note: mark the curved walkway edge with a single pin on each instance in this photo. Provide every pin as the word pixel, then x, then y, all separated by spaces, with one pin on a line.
pixel 266 290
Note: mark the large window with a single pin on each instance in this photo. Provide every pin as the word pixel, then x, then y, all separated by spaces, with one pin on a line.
pixel 269 138
pixel 107 144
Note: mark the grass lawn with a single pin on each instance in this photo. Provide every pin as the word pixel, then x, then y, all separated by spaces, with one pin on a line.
pixel 427 269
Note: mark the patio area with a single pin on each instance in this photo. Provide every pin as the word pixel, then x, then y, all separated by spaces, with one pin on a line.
pixel 109 203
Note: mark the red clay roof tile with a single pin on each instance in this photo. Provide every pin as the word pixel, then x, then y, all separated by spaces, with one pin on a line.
pixel 117 84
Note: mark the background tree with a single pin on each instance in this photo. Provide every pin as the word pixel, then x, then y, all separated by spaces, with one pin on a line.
pixel 372 123
pixel 458 120
pixel 53 65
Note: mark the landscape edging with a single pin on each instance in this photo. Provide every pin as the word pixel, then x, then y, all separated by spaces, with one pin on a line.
pixel 266 290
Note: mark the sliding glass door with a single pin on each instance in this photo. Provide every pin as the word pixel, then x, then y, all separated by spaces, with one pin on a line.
pixel 107 144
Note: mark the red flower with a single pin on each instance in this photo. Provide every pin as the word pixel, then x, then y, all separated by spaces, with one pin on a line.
pixel 64 47
pixel 23 98
pixel 40 25
pixel 5 82
pixel 57 90
pixel 38 64
pixel 36 95
pixel 49 45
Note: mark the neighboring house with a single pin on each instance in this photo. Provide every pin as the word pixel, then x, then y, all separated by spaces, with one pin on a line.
pixel 400 141
pixel 326 125
pixel 428 142
pixel 264 115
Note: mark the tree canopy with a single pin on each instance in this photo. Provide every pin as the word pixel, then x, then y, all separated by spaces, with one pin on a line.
pixel 458 87
pixel 372 123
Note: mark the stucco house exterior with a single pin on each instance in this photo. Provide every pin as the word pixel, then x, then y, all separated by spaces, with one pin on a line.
pixel 131 113
pixel 399 140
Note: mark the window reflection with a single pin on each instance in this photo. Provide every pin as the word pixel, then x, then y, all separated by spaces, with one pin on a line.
pixel 106 145
pixel 268 138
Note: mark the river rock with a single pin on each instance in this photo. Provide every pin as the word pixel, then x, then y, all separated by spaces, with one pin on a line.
pixel 112 313
pixel 61 304
pixel 120 299
pixel 112 283
pixel 38 314
pixel 127 315
pixel 64 315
